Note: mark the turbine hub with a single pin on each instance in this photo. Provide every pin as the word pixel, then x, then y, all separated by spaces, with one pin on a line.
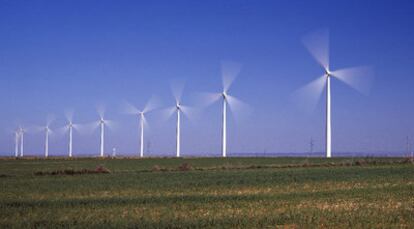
pixel 224 94
pixel 327 72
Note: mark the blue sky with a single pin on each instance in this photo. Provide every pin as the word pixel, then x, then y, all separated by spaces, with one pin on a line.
pixel 59 55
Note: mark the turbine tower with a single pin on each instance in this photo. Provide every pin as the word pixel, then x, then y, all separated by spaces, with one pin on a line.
pixel 317 44
pixel 328 114
pixel 47 131
pixel 178 133
pixel 102 126
pixel 16 142
pixel 141 152
pixel 21 133
pixel 70 127
pixel 224 128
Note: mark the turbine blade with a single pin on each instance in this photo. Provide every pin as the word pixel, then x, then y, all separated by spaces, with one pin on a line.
pixel 50 118
pixel 167 113
pixel 62 130
pixel 88 128
pixel 75 127
pixel 152 104
pixel 145 122
pixel 69 115
pixel 35 129
pixel 110 124
pixel 128 108
pixel 177 88
pixel 308 96
pixel 239 109
pixel 207 99
pixel 359 78
pixel 190 113
pixel 101 111
pixel 229 71
pixel 317 44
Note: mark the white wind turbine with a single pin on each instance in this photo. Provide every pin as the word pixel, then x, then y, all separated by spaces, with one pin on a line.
pixel 130 109
pixel 21 134
pixel 16 142
pixel 70 126
pixel 179 109
pixel 230 71
pixel 102 123
pixel 47 132
pixel 357 77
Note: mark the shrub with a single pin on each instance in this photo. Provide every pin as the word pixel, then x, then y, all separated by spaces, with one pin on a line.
pixel 102 169
pixel 156 168
pixel 185 167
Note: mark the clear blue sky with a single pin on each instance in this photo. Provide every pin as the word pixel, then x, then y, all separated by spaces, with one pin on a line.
pixel 56 55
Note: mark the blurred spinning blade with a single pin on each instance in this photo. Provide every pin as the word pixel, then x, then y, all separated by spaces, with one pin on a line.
pixel 359 78
pixel 317 44
pixel 308 96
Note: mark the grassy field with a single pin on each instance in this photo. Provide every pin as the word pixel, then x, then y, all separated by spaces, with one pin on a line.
pixel 208 192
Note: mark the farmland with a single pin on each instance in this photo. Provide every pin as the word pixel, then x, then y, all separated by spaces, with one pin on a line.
pixel 207 192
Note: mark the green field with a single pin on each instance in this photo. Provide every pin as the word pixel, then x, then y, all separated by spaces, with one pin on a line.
pixel 208 192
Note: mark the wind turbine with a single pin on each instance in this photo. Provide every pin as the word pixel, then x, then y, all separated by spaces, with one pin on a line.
pixel 16 142
pixel 178 108
pixel 318 45
pixel 142 120
pixel 21 134
pixel 102 123
pixel 47 132
pixel 69 128
pixel 230 71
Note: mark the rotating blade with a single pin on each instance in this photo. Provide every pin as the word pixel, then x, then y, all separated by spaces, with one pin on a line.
pixel 190 113
pixel 207 99
pixel 69 115
pixel 168 112
pixel 239 109
pixel 229 71
pixel 128 108
pixel 152 104
pixel 177 88
pixel 101 111
pixel 308 96
pixel 317 44
pixel 359 78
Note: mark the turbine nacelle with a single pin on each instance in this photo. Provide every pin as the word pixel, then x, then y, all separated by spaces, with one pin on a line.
pixel 224 94
pixel 328 73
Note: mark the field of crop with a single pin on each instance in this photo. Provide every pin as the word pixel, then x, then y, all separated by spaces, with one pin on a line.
pixel 207 192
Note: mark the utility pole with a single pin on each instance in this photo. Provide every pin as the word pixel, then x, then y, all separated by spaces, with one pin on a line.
pixel 148 147
pixel 114 152
pixel 311 144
